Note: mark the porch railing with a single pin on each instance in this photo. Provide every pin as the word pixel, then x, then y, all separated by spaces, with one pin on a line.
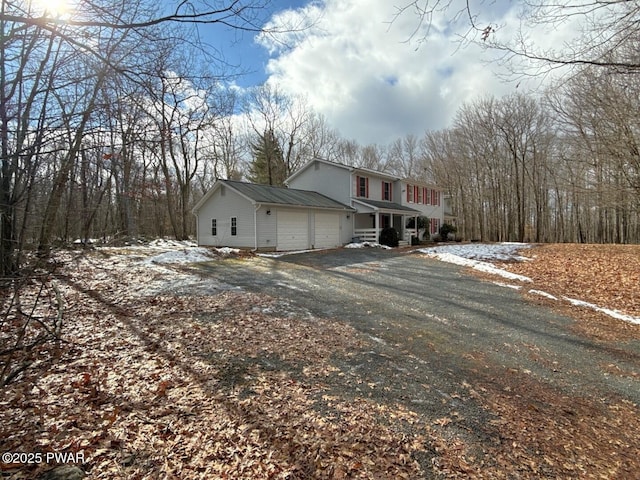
pixel 367 234
pixel 372 235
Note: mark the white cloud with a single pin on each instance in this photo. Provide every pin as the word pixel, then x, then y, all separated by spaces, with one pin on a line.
pixel 368 81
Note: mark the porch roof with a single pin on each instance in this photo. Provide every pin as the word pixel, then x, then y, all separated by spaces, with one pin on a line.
pixel 387 207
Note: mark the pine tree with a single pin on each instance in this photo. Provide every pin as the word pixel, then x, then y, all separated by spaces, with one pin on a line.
pixel 268 165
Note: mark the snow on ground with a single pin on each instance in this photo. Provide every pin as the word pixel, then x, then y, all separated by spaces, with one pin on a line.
pixel 612 313
pixel 184 255
pixel 367 245
pixel 151 264
pixel 471 255
pixel 157 257
pixel 506 251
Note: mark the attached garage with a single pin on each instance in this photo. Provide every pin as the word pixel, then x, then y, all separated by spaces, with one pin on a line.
pixel 326 230
pixel 292 229
pixel 247 215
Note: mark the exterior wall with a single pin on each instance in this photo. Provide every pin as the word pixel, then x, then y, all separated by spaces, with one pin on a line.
pixel 346 227
pixel 364 220
pixel 267 227
pixel 222 208
pixel 427 209
pixel 330 180
pixel 374 186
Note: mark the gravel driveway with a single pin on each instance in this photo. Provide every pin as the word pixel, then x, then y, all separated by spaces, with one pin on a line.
pixel 446 344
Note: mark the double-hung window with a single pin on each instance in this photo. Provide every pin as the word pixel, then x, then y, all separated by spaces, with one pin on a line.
pixel 234 226
pixel 214 227
pixel 386 191
pixel 362 185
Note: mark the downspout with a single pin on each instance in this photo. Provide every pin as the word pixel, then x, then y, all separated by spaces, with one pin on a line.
pixel 255 226
pixel 197 228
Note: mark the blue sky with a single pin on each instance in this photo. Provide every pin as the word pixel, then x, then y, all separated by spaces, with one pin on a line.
pixel 370 80
pixel 240 47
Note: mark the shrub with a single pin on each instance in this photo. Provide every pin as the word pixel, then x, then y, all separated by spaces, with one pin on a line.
pixel 446 229
pixel 389 237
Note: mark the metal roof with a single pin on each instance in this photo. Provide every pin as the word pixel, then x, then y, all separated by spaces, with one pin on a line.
pixel 268 194
pixel 379 205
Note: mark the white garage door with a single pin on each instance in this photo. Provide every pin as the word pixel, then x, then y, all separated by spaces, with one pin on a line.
pixel 293 230
pixel 327 230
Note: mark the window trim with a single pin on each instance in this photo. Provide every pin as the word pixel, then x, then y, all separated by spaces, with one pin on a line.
pixel 234 226
pixel 387 191
pixel 362 185
pixel 214 227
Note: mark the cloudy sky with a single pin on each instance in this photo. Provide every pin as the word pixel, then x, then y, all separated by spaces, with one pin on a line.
pixel 366 74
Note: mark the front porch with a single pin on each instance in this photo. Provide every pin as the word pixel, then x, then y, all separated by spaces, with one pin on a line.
pixel 373 216
pixel 372 235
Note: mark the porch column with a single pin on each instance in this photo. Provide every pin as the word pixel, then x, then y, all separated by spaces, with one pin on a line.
pixel 376 226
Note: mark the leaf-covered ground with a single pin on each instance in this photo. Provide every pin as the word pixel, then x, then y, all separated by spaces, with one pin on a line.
pixel 604 275
pixel 179 386
pixel 214 382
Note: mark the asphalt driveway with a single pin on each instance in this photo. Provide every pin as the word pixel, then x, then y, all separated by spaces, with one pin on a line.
pixel 437 336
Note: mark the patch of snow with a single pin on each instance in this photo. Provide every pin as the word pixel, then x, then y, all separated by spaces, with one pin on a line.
pixel 612 313
pixel 543 294
pixel 506 251
pixel 186 255
pixel 508 285
pixel 227 250
pixel 477 265
pixel 367 245
pixel 377 340
pixel 165 243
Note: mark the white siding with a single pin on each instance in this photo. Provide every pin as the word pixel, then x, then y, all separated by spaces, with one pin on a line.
pixel 222 208
pixel 375 186
pixel 329 180
pixel 267 227
pixel 346 227
pixel 435 212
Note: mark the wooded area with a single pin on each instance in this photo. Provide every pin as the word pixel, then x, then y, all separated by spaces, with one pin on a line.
pixel 114 126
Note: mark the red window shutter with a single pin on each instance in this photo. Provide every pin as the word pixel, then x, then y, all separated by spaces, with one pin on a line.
pixel 424 195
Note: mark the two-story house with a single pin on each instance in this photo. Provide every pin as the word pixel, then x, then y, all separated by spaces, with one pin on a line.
pixel 327 204
pixel 381 200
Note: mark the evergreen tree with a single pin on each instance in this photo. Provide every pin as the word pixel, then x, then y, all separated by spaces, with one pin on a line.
pixel 268 165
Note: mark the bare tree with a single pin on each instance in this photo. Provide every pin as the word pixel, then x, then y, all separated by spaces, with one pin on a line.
pixel 603 33
pixel 270 112
pixel 403 157
pixel 597 115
